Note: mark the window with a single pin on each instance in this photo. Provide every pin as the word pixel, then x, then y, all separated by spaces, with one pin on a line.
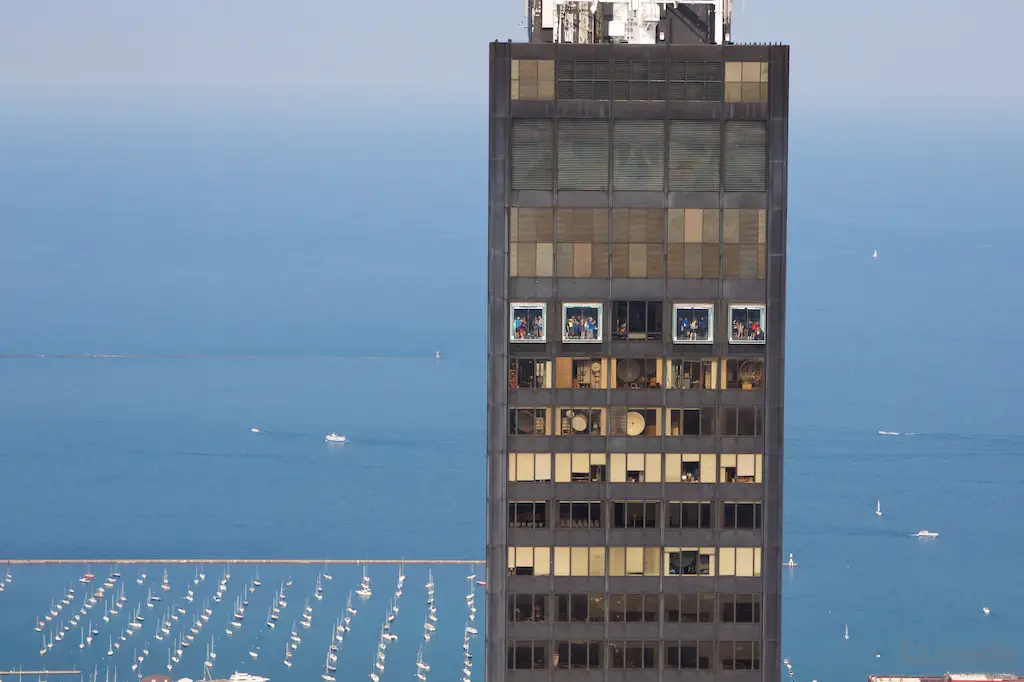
pixel 746 81
pixel 690 515
pixel 688 655
pixel 582 154
pixel 639 80
pixel 633 608
pixel 742 421
pixel 533 79
pixel 693 243
pixel 577 655
pixel 528 421
pixel 579 561
pixel 584 80
pixel 524 467
pixel 740 608
pixel 533 146
pixel 633 655
pixel 581 322
pixel 635 514
pixel 695 81
pixel 739 655
pixel 743 234
pixel 694 155
pixel 638 149
pixel 582 248
pixel 690 468
pixel 634 561
pixel 527 608
pixel 635 467
pixel 741 468
pixel 637 373
pixel 693 323
pixel 529 561
pixel 636 421
pixel 638 242
pixel 529 373
pixel 693 374
pixel 527 655
pixel 580 373
pixel 689 561
pixel 746 324
pixel 581 467
pixel 746 374
pixel 741 515
pixel 531 242
pixel 579 514
pixel 739 561
pixel 689 608
pixel 527 323
pixel 581 421
pixel 746 156
pixel 636 320
pixel 579 608
pixel 692 421
pixel 527 514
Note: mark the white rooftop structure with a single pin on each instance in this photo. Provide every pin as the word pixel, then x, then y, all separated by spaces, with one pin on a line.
pixel 633 21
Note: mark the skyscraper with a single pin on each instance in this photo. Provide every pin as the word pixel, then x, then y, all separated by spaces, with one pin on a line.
pixel 636 312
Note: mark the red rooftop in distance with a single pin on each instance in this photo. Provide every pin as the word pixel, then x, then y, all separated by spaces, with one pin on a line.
pixel 951 677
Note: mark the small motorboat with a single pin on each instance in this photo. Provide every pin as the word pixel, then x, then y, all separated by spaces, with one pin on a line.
pixel 254 430
pixel 987 611
pixel 925 534
pixel 335 438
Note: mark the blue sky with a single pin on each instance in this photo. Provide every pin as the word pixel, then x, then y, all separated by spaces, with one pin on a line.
pixel 363 52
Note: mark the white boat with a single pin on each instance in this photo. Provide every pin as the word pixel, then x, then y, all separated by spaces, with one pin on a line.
pixel 846 632
pixel 875 254
pixel 364 587
pixel 878 507
pixel 246 677
pixel 925 534
pixel 986 610
pixel 438 355
pixel 335 438
pixel 254 430
pixel 789 563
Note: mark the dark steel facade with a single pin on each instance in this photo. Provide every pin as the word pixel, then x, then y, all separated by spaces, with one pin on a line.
pixel 554 290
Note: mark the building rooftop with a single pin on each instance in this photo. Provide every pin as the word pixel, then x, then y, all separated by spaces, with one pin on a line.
pixel 641 22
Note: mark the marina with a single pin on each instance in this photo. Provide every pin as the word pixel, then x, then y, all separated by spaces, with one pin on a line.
pixel 201 620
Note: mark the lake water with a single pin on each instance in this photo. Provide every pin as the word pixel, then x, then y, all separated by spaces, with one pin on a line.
pixel 190 235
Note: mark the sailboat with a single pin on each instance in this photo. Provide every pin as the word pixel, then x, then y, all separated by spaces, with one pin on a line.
pixel 364 590
pixel 878 508
pixel 846 634
pixel 165 585
pixel 327 576
pixel 327 669
pixel 875 254
pixel 319 589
